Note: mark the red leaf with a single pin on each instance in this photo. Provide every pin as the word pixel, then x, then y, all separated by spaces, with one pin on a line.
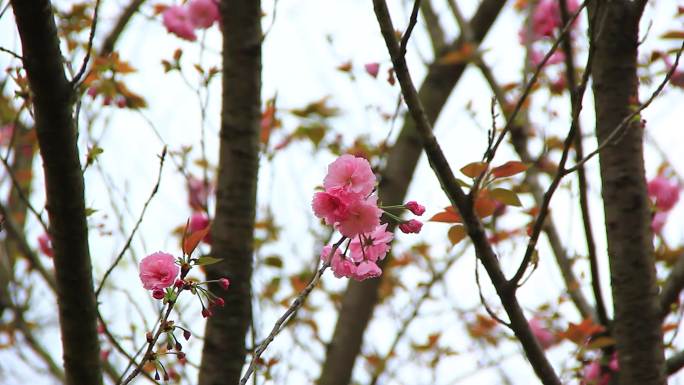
pixel 449 215
pixel 192 240
pixel 473 170
pixel 508 169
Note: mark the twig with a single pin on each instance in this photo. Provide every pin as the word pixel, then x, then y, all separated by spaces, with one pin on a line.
pixel 629 118
pixel 137 224
pixel 110 41
pixel 460 200
pixel 17 187
pixel 76 79
pixel 280 323
pixel 412 23
pixel 489 156
pixel 16 55
pixel 566 45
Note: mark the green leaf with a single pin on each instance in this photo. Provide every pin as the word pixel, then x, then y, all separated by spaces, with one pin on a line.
pixel 504 196
pixel 90 211
pixel 462 183
pixel 204 261
pixel 273 261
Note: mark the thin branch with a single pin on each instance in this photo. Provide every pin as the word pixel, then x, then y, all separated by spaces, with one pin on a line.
pixel 53 367
pixel 433 27
pixel 110 40
pixel 629 118
pixel 544 208
pixel 460 200
pixel 9 51
pixel 76 79
pixel 20 192
pixel 137 224
pixel 412 23
pixel 566 45
pixel 282 321
pixel 489 156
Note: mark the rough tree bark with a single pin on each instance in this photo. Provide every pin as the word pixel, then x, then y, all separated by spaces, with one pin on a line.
pixel 360 297
pixel 636 324
pixel 233 227
pixel 53 100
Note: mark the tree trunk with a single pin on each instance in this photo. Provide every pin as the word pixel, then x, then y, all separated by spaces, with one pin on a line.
pixel 627 215
pixel 233 227
pixel 53 100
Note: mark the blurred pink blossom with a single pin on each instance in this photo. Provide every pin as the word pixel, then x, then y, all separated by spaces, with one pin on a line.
pixel 203 13
pixel 177 21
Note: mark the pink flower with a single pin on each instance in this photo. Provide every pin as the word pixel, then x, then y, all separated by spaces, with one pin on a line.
pixel 158 294
pixel 372 69
pixel 350 173
pixel 547 17
pixel 666 193
pixel 203 13
pixel 658 221
pixel 200 221
pixel 331 206
pixel 371 246
pixel 415 208
pixel 342 267
pixel 365 270
pixel 326 254
pixel 545 338
pixel 158 271
pixel 362 217
pixel 198 193
pixel 45 245
pixel 224 282
pixel 412 226
pixel 177 21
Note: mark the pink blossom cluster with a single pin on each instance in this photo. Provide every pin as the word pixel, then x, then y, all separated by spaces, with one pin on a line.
pixel 546 21
pixel 597 374
pixel 157 272
pixel 665 195
pixel 198 194
pixel 349 204
pixel 544 336
pixel 182 21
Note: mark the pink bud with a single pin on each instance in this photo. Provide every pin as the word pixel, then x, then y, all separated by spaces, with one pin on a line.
pixel 412 226
pixel 415 208
pixel 206 313
pixel 219 302
pixel 92 92
pixel 181 355
pixel 157 293
pixel 224 282
pixel 148 337
pixel 179 283
pixel 372 69
pixel 45 245
pixel 187 334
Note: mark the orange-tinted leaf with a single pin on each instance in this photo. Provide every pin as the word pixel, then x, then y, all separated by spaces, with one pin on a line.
pixel 508 169
pixel 669 327
pixel 461 55
pixel 449 215
pixel 192 240
pixel 473 170
pixel 484 205
pixel 673 35
pixel 456 234
pixel 578 333
pixel 600 343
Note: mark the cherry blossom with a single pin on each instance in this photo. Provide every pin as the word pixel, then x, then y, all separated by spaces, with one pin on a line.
pixel 350 173
pixel 177 21
pixel 158 271
pixel 543 335
pixel 411 226
pixel 203 13
pixel 372 246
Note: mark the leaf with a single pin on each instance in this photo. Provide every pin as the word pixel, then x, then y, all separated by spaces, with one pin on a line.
pixel 673 35
pixel 461 55
pixel 207 260
pixel 578 333
pixel 473 170
pixel 462 183
pixel 456 234
pixel 192 240
pixel 90 211
pixel 484 206
pixel 449 215
pixel 508 169
pixel 600 343
pixel 273 261
pixel 504 196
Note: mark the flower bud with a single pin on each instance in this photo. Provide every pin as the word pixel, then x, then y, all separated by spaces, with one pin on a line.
pixel 148 337
pixel 224 282
pixel 187 334
pixel 415 208
pixel 219 302
pixel 412 226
